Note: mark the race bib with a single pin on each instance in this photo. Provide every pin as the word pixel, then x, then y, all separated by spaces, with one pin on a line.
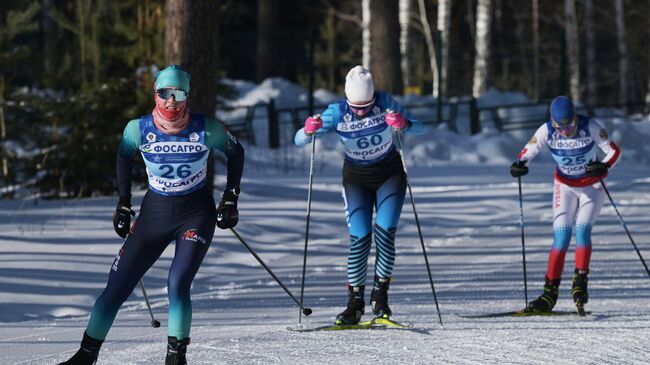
pixel 365 140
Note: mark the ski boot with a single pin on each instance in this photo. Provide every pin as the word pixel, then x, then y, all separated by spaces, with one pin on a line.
pixel 87 353
pixel 546 301
pixel 355 308
pixel 176 351
pixel 379 298
pixel 579 290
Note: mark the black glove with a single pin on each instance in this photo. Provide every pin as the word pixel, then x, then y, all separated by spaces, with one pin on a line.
pixel 518 169
pixel 122 216
pixel 227 214
pixel 596 169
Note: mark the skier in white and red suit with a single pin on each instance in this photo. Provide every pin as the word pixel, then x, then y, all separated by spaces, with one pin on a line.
pixel 578 196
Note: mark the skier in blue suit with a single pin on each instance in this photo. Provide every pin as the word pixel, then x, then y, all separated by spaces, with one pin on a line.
pixel 373 177
pixel 174 144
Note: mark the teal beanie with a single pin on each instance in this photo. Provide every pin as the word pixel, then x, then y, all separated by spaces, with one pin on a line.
pixel 173 76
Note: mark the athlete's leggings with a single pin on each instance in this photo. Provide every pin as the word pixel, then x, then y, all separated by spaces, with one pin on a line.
pixel 583 205
pixel 387 200
pixel 190 221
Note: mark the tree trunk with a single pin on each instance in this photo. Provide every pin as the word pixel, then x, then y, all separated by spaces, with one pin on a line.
pixel 482 44
pixel 385 58
pixel 471 22
pixel 590 50
pixel 82 41
pixel 572 48
pixel 622 53
pixel 426 29
pixel 536 85
pixel 366 38
pixel 444 27
pixel 191 42
pixel 268 64
pixel 48 37
pixel 405 30
pixel 647 95
pixel 3 130
pixel 330 37
pixel 191 38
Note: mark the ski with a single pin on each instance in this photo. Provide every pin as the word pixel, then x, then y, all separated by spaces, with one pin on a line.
pixel 372 324
pixel 338 327
pixel 387 322
pixel 525 313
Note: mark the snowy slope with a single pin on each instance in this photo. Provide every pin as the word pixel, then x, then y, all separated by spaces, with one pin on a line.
pixel 55 257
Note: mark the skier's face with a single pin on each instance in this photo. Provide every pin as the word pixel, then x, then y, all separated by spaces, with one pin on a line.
pixel 566 128
pixel 361 108
pixel 171 103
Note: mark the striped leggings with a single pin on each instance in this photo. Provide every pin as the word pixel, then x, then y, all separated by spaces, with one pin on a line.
pixel 360 199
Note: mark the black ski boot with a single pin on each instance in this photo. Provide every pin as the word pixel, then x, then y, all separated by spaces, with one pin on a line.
pixel 546 301
pixel 88 352
pixel 176 351
pixel 579 288
pixel 379 298
pixel 352 314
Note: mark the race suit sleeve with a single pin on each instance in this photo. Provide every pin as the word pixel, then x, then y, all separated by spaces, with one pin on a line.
pixel 330 118
pixel 534 146
pixel 415 126
pixel 218 137
pixel 126 152
pixel 600 136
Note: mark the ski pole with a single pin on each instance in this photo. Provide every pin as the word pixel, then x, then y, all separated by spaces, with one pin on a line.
pixel 523 245
pixel 304 260
pixel 305 311
pixel 620 218
pixel 154 322
pixel 417 222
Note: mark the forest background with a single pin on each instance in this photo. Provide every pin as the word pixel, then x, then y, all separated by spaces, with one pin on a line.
pixel 73 72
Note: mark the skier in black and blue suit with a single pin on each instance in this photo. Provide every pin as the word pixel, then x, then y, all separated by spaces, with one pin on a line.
pixel 178 206
pixel 373 177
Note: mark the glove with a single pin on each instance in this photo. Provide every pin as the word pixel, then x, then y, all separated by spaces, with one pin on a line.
pixel 596 169
pixel 227 214
pixel 122 216
pixel 312 124
pixel 395 120
pixel 518 169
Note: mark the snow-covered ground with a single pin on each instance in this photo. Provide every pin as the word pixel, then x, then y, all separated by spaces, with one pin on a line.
pixel 55 257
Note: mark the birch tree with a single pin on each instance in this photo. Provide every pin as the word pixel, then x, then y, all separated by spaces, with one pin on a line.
pixel 444 25
pixel 405 30
pixel 482 45
pixel 426 30
pixel 590 51
pixel 572 48
pixel 365 33
pixel 622 53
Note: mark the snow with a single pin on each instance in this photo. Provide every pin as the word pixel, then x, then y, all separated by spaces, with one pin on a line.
pixel 55 257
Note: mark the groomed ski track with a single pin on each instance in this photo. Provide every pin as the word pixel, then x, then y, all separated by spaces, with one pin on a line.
pixel 55 257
